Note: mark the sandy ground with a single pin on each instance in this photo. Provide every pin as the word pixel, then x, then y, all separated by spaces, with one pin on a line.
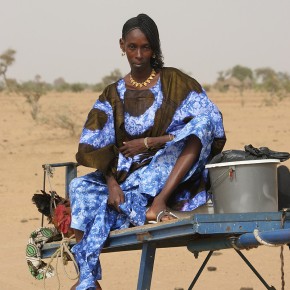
pixel 26 144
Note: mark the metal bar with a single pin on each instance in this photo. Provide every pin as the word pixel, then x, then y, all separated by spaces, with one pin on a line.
pixel 233 217
pixel 244 241
pixel 154 234
pixel 70 174
pixel 62 164
pixel 255 271
pixel 187 234
pixel 43 188
pixel 276 237
pixel 200 270
pixel 209 243
pixel 202 224
pixel 146 266
pixel 238 222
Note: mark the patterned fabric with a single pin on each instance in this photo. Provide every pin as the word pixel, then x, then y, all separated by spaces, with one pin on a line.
pixel 195 114
pixel 36 241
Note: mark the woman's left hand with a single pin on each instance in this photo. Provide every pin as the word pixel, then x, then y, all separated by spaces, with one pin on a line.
pixel 133 147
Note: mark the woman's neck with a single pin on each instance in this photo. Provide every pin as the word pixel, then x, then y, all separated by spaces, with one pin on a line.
pixel 130 85
pixel 141 75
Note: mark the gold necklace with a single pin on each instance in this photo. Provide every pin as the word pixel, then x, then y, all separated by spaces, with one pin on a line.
pixel 145 83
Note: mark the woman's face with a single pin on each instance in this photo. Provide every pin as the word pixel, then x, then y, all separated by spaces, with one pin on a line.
pixel 138 50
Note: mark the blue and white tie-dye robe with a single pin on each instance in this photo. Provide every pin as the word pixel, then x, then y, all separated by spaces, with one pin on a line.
pixel 89 193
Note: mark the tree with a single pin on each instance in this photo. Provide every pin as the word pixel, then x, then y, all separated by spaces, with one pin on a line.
pixel 6 59
pixel 60 85
pixel 221 76
pixel 113 77
pixel 77 87
pixel 284 79
pixel 107 80
pixel 33 91
pixel 2 86
pixel 241 73
pixel 268 80
pixel 239 77
pixel 66 122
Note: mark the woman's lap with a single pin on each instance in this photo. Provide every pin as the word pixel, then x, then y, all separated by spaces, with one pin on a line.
pixel 87 193
pixel 91 214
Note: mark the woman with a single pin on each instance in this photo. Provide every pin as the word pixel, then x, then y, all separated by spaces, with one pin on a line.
pixel 149 135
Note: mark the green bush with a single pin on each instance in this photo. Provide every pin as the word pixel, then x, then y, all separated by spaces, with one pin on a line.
pixel 77 87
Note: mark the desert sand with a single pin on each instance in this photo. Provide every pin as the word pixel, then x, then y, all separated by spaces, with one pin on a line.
pixel 26 144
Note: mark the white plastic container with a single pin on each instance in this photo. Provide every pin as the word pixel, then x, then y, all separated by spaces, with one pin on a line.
pixel 244 186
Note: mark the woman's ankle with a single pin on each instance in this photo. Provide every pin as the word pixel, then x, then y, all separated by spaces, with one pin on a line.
pixel 78 235
pixel 98 286
pixel 154 210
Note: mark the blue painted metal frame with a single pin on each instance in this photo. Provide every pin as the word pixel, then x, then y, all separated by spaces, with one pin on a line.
pixel 200 232
pixel 70 172
pixel 146 266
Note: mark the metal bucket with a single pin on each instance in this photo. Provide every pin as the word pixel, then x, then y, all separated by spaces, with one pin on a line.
pixel 244 186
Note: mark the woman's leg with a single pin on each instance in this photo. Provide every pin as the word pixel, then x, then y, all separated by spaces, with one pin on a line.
pixel 86 197
pixel 187 158
pixel 74 287
pixel 78 235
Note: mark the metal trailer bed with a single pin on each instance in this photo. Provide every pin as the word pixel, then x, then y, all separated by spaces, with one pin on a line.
pixel 199 232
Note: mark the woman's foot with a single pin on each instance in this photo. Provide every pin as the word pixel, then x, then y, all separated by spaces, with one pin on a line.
pixel 158 212
pixel 98 286
pixel 74 287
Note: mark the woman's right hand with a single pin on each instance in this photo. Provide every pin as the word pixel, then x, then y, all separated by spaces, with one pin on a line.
pixel 133 147
pixel 116 194
pixel 137 146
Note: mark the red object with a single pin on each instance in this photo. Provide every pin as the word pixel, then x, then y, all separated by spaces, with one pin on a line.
pixel 62 218
pixel 231 173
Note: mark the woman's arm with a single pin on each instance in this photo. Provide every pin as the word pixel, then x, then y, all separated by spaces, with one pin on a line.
pixel 141 145
pixel 185 161
pixel 116 195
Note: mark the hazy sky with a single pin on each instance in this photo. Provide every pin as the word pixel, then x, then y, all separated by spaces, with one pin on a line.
pixel 79 40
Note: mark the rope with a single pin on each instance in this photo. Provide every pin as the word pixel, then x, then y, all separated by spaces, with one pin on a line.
pixel 63 251
pixel 283 217
pixel 261 241
pixel 282 268
pixel 49 170
pixel 47 173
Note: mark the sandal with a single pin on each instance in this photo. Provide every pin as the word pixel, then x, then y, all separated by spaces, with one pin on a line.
pixel 161 215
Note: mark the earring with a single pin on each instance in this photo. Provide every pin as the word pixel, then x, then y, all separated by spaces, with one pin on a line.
pixel 153 56
pixel 123 53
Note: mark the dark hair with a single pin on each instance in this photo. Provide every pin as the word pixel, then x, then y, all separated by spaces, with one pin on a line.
pixel 149 28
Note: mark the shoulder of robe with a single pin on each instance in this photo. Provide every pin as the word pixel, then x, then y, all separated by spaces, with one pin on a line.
pixel 176 77
pixel 109 93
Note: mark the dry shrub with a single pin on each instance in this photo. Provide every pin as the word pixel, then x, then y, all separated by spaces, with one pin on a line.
pixel 65 122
